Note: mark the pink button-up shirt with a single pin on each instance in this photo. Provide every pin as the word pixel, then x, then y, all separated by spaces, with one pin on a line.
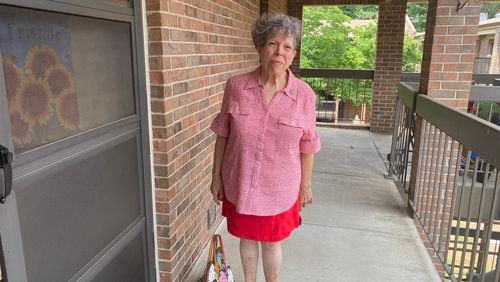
pixel 261 168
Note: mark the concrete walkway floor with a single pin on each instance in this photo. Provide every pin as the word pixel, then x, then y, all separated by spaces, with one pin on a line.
pixel 357 228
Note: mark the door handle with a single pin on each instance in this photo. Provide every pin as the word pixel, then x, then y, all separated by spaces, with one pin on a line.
pixel 6 159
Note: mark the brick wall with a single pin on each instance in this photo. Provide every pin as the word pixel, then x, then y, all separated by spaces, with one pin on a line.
pixel 194 47
pixel 449 51
pixel 389 57
pixel 273 6
pixel 430 250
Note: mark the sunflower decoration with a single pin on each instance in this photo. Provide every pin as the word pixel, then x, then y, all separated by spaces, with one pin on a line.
pixel 39 60
pixel 33 101
pixel 22 132
pixel 13 78
pixel 67 110
pixel 59 78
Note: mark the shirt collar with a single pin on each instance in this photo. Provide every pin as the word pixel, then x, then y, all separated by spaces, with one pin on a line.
pixel 290 89
pixel 253 79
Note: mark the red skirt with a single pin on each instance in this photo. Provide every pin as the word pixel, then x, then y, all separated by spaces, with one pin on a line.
pixel 273 228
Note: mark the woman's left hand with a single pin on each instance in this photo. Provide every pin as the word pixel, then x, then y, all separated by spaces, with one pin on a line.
pixel 305 195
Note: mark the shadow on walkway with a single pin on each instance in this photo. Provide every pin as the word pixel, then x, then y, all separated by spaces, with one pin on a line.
pixel 357 228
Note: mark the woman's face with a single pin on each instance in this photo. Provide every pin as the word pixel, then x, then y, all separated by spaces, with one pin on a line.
pixel 277 54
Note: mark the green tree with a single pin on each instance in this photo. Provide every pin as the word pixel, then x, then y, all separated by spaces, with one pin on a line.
pixel 491 9
pixel 360 12
pixel 324 39
pixel 418 15
pixel 361 54
pixel 328 42
pixel 412 55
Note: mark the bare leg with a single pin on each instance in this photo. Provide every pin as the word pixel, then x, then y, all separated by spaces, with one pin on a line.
pixel 249 253
pixel 271 260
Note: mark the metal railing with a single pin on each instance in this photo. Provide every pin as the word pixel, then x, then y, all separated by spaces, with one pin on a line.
pixel 344 96
pixel 454 192
pixel 482 65
pixel 403 138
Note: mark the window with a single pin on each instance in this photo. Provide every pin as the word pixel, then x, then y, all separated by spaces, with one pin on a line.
pixel 64 74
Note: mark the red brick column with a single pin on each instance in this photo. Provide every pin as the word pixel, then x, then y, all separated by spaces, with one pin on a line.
pixel 194 47
pixel 449 51
pixel 389 57
pixel 273 6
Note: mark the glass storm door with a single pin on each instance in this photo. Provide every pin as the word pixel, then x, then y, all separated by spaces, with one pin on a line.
pixel 74 202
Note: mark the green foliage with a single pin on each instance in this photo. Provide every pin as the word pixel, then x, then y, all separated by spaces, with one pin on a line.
pixel 357 91
pixel 360 12
pixel 412 55
pixel 324 36
pixel 491 9
pixel 361 54
pixel 328 42
pixel 418 15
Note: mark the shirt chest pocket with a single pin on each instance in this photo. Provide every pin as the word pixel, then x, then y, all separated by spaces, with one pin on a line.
pixel 239 118
pixel 290 130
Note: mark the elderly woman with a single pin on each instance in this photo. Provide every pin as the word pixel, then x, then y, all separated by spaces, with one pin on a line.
pixel 266 140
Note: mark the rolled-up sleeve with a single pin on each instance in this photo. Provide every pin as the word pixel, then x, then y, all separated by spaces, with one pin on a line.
pixel 310 142
pixel 221 123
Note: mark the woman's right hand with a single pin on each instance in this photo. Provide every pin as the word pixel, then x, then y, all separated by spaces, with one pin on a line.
pixel 217 189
